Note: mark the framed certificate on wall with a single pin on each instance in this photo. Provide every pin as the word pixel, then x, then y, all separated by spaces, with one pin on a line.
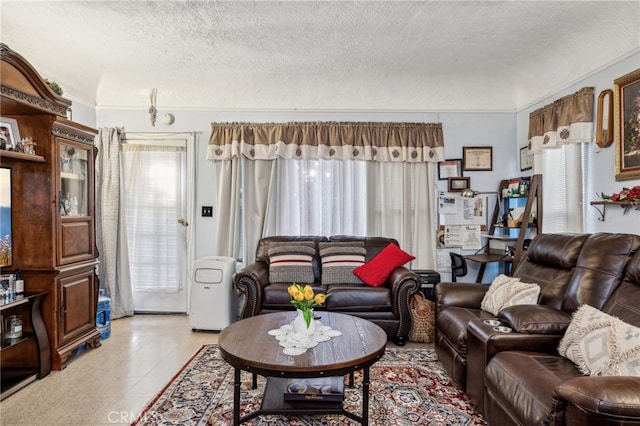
pixel 477 158
pixel 526 159
pixel 449 168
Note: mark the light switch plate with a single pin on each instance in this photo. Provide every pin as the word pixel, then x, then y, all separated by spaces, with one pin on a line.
pixel 207 211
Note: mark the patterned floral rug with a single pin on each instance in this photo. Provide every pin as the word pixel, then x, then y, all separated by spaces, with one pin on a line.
pixel 408 387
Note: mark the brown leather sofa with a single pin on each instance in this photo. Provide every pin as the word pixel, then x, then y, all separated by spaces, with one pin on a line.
pixel 541 387
pixel 386 305
pixel 518 377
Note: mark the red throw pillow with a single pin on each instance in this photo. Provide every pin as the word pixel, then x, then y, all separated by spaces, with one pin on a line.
pixel 377 270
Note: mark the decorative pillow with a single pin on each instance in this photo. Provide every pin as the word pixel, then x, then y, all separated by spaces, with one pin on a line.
pixel 291 262
pixel 377 270
pixel 339 260
pixel 600 344
pixel 507 291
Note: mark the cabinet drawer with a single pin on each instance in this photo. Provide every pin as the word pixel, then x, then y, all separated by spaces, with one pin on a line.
pixel 76 240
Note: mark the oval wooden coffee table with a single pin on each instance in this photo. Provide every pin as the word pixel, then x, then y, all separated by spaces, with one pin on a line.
pixel 246 345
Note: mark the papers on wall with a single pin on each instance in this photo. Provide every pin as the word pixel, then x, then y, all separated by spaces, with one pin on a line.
pixel 448 205
pixel 461 219
pixel 465 236
pixel 456 210
pixel 474 208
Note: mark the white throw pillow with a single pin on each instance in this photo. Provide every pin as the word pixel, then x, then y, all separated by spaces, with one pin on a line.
pixel 507 291
pixel 600 344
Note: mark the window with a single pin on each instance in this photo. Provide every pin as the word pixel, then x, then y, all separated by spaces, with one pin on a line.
pixel 319 197
pixel 562 172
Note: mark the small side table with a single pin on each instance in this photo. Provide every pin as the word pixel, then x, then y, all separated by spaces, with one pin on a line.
pixel 429 278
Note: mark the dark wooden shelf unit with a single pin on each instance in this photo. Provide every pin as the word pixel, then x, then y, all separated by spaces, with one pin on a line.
pixel 54 249
pixel 524 229
pixel 27 358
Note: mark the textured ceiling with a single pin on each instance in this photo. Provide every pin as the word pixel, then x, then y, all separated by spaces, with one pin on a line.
pixel 385 55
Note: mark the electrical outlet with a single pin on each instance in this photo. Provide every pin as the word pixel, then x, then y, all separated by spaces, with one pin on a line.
pixel 207 211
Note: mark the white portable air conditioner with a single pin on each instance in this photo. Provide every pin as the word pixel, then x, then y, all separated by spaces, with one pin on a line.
pixel 212 303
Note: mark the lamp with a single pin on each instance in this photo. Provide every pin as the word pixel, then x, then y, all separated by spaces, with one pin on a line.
pixel 470 193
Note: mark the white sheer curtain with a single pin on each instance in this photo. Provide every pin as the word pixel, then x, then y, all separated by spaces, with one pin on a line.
pixel 153 195
pixel 318 197
pixel 111 237
pixel 330 197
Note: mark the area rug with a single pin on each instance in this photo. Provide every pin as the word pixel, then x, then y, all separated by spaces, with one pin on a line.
pixel 407 387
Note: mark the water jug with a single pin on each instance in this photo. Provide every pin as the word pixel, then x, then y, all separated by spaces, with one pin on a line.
pixel 103 315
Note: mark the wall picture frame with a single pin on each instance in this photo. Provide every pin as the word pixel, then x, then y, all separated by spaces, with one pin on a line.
pixel 449 168
pixel 477 158
pixel 9 133
pixel 458 184
pixel 626 115
pixel 604 119
pixel 526 159
pixel 6 237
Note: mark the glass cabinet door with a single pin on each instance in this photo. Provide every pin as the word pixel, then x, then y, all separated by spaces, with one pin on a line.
pixel 76 235
pixel 73 180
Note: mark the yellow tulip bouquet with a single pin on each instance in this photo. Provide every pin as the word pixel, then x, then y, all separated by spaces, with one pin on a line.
pixel 305 300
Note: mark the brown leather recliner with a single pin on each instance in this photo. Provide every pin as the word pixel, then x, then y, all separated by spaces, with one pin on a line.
pixel 386 305
pixel 550 262
pixel 571 269
pixel 598 272
pixel 543 388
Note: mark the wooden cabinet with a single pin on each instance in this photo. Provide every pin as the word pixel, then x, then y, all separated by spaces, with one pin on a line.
pixel 53 204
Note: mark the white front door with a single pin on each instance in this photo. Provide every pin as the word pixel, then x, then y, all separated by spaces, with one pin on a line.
pixel 158 183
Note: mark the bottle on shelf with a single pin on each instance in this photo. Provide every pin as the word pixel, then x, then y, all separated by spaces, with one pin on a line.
pixel 19 283
pixel 522 188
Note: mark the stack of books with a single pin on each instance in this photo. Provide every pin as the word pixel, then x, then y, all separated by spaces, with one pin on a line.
pixel 315 389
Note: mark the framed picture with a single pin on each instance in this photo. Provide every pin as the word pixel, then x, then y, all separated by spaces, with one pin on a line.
pixel 604 125
pixel 449 168
pixel 626 115
pixel 526 159
pixel 458 184
pixel 6 238
pixel 477 158
pixel 9 134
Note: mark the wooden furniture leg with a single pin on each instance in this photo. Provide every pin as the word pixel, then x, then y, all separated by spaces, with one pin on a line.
pixel 236 397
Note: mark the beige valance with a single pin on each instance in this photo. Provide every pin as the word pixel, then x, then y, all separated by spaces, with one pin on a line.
pixel 401 142
pixel 567 120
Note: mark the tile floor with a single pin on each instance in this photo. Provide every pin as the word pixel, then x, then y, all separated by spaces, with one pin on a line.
pixel 111 385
